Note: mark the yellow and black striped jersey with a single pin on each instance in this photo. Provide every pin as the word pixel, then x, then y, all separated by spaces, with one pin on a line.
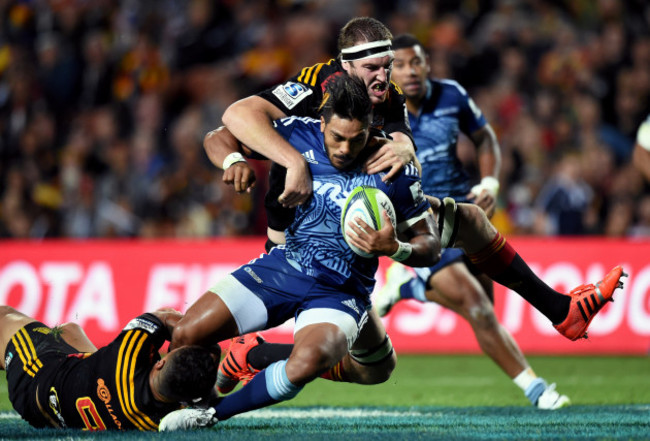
pixel 109 389
pixel 302 95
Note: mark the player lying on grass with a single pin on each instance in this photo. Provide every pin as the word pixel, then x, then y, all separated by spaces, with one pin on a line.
pixel 57 378
pixel 315 277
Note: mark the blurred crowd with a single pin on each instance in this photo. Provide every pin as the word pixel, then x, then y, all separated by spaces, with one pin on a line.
pixel 104 105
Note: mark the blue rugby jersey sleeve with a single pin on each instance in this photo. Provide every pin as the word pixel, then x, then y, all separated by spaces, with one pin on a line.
pixel 408 198
pixel 470 116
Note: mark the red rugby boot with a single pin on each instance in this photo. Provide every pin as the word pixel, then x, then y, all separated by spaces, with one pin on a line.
pixel 234 367
pixel 586 301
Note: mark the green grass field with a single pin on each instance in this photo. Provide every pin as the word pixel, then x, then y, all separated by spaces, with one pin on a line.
pixel 432 397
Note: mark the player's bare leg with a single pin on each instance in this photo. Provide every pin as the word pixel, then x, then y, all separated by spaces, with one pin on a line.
pixel 371 359
pixel 11 320
pixel 206 322
pixel 75 336
pixel 317 348
pixel 455 288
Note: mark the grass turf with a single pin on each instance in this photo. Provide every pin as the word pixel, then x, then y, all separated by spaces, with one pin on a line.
pixel 433 397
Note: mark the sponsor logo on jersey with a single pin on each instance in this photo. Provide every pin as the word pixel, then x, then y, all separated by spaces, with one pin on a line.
pixel 42 330
pixel 8 358
pixel 53 401
pixel 309 157
pixel 291 93
pixel 105 396
pixel 253 275
pixel 140 323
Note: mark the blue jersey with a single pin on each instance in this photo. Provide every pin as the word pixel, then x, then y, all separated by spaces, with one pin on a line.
pixel 446 111
pixel 314 241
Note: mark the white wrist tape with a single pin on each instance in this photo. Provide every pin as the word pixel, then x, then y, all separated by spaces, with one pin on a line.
pixel 643 135
pixel 404 250
pixel 232 159
pixel 489 184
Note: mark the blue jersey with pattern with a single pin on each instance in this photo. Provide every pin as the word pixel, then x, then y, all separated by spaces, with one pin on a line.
pixel 446 111
pixel 314 241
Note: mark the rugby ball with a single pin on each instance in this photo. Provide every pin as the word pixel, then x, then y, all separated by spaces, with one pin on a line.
pixel 366 203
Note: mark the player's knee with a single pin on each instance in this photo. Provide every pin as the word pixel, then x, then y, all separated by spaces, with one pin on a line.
pixel 471 214
pixel 481 314
pixel 6 310
pixel 308 362
pixel 376 365
pixel 71 328
pixel 182 335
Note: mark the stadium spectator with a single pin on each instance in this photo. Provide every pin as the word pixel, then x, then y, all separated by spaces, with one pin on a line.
pixel 57 378
pixel 642 149
pixel 452 282
pixel 123 51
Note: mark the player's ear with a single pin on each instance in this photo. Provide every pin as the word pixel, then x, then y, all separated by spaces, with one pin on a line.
pixel 159 364
pixel 322 124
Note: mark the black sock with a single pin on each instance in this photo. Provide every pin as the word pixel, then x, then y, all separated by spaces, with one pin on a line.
pixel 261 356
pixel 520 278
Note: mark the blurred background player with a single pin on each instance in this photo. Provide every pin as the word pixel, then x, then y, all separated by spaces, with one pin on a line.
pixel 641 152
pixel 57 378
pixel 439 111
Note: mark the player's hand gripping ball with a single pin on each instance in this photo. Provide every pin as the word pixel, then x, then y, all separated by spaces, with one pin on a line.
pixel 366 203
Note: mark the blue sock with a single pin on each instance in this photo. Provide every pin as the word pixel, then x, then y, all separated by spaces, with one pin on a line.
pixel 268 387
pixel 535 390
pixel 413 289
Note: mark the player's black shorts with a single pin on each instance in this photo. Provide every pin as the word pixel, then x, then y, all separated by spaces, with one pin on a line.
pixel 32 358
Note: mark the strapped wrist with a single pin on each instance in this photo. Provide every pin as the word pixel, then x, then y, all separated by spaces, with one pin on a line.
pixel 232 159
pixel 404 250
pixel 489 184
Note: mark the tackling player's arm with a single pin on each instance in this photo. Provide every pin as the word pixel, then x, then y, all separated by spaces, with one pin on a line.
pixel 250 121
pixel 393 154
pixel 228 154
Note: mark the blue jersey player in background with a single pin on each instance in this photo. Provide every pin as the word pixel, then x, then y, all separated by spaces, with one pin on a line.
pixel 315 277
pixel 439 111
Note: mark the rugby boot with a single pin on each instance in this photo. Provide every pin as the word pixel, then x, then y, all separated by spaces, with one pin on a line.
pixel 586 301
pixel 234 367
pixel 188 419
pixel 551 399
pixel 396 276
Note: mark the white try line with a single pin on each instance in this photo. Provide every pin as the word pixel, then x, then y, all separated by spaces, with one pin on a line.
pixel 297 413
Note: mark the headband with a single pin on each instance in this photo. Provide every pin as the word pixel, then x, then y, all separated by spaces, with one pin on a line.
pixel 374 49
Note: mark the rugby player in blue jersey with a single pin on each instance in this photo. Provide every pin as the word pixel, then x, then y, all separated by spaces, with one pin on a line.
pixel 315 277
pixel 439 110
pixel 366 55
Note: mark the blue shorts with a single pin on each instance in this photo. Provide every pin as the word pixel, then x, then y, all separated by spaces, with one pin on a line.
pixel 447 257
pixel 268 291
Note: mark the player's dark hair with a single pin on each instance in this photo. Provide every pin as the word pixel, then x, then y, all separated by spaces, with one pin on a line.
pixel 190 373
pixel 346 97
pixel 405 41
pixel 362 29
